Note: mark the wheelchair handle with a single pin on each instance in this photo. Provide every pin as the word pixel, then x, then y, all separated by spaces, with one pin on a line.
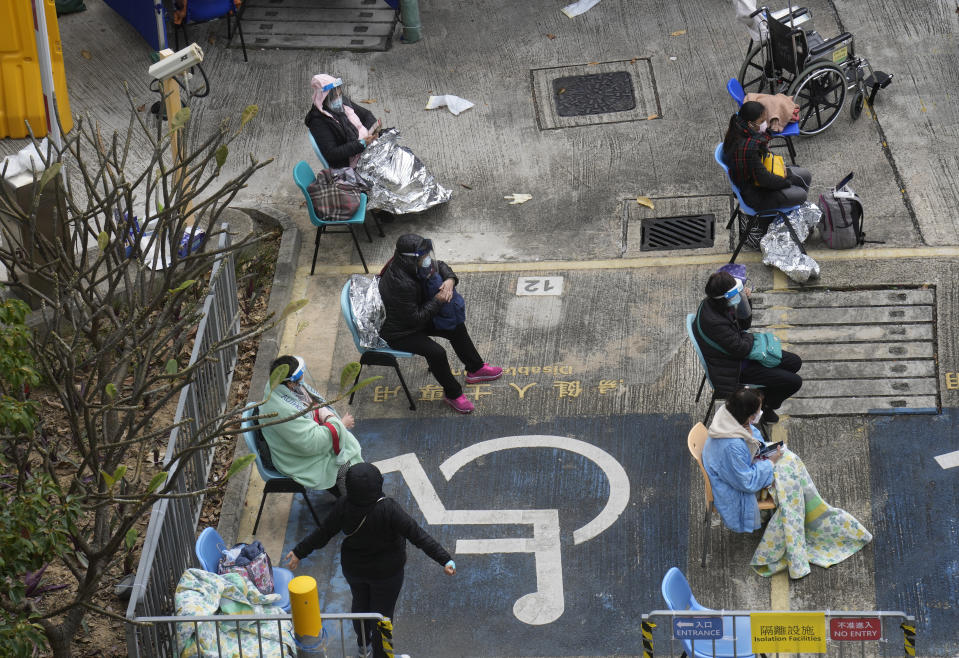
pixel 759 11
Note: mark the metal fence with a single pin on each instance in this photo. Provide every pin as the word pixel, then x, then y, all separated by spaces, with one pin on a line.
pixel 672 633
pixel 168 547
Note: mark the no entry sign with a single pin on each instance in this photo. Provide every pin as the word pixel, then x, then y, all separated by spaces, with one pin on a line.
pixel 855 629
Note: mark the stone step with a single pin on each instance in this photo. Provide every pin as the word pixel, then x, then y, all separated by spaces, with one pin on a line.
pixel 864 369
pixel 267 13
pixel 844 298
pixel 849 388
pixel 867 351
pixel 287 29
pixel 860 405
pixel 854 334
pixel 850 315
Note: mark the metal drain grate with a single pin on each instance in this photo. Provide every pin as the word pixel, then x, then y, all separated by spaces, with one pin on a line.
pixel 597 93
pixel 687 232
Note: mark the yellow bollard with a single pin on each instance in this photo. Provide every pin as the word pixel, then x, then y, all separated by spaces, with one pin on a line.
pixel 305 607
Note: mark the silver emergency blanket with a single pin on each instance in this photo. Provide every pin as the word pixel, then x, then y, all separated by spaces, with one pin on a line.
pixel 368 311
pixel 781 251
pixel 400 183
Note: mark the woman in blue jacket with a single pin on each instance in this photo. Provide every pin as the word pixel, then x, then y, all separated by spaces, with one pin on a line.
pixel 729 456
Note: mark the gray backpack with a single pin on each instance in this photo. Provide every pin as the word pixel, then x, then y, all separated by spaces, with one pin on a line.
pixel 841 221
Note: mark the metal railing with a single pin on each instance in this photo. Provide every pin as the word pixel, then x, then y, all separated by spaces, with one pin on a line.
pixel 661 633
pixel 168 546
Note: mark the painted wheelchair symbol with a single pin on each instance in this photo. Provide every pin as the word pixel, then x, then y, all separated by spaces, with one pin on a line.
pixel 547 603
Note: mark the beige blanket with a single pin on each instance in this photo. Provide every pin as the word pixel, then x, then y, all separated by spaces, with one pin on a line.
pixel 779 109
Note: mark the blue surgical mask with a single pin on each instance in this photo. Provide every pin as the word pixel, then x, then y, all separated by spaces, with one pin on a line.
pixel 427 262
pixel 337 105
pixel 734 301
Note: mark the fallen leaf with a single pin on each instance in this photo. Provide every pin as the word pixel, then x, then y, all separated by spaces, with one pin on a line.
pixel 466 186
pixel 516 198
pixel 562 90
pixel 368 100
pixel 645 201
pixel 633 60
pixel 211 39
pixel 387 111
pixel 142 107
pixel 550 36
pixel 593 64
pixel 677 33
pixel 652 116
pixel 85 54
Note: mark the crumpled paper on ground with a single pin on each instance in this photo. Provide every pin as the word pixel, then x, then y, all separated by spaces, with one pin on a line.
pixel 399 181
pixel 368 310
pixel 580 7
pixel 455 104
pixel 781 251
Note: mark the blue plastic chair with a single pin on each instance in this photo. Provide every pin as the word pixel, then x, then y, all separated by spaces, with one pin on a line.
pixel 274 481
pixel 210 546
pixel 736 90
pixel 319 153
pixel 679 596
pixel 303 175
pixel 201 11
pixel 743 209
pixel 369 356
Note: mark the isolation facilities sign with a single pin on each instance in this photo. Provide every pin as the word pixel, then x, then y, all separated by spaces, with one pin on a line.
pixel 698 628
pixel 788 632
pixel 857 629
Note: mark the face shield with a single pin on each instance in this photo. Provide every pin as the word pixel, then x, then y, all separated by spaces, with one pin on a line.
pixel 733 295
pixel 425 258
pixel 302 379
pixel 334 95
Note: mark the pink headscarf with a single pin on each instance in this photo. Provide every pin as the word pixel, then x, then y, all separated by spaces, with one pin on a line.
pixel 318 82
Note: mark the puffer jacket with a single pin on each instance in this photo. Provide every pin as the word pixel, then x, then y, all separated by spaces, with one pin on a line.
pixel 336 137
pixel 718 322
pixel 408 309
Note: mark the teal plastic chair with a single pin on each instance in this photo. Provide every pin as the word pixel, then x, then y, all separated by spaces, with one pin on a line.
pixel 210 546
pixel 319 154
pixel 372 357
pixel 679 596
pixel 736 90
pixel 303 175
pixel 753 217
pixel 274 481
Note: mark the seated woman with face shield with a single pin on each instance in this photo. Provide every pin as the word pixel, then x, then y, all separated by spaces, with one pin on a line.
pixel 341 129
pixel 421 301
pixel 720 330
pixel 316 448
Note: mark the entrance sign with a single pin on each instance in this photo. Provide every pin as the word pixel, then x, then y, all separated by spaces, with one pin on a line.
pixel 788 632
pixel 547 603
pixel 856 629
pixel 698 628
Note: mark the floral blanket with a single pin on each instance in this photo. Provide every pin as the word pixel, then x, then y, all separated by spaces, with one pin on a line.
pixel 804 529
pixel 203 593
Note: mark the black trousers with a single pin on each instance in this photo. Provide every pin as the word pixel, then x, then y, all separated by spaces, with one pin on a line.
pixel 763 199
pixel 373 595
pixel 779 383
pixel 421 343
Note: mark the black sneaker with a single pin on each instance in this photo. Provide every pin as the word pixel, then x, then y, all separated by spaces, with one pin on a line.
pixel 770 416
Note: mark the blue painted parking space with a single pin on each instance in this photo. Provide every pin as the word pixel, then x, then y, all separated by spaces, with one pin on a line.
pixel 561 530
pixel 915 524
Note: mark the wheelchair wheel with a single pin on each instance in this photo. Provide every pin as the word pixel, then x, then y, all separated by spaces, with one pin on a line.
pixel 820 91
pixel 857 102
pixel 755 72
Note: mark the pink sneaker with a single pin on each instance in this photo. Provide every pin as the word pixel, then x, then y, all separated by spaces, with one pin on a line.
pixel 460 404
pixel 485 374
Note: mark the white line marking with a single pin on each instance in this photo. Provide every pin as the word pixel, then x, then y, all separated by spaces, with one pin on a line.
pixel 949 460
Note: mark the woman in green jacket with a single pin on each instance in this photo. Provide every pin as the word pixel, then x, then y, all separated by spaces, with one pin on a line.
pixel 313 447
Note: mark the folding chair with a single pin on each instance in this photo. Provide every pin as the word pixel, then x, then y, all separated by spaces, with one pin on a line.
pixel 201 11
pixel 791 130
pixel 369 356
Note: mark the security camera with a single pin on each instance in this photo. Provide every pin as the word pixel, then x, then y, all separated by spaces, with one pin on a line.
pixel 177 63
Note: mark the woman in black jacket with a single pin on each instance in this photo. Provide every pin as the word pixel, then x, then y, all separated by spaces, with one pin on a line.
pixel 745 145
pixel 410 315
pixel 726 344
pixel 341 129
pixel 374 551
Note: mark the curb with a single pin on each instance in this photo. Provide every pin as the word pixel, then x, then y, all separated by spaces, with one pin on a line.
pixel 234 498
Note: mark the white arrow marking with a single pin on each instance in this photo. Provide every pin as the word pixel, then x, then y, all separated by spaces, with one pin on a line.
pixel 949 460
pixel 547 603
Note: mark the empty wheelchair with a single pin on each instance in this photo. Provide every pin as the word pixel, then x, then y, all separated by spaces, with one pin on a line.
pixel 794 59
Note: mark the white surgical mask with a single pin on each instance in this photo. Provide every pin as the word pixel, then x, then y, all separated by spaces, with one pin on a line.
pixel 754 420
pixel 763 126
pixel 427 261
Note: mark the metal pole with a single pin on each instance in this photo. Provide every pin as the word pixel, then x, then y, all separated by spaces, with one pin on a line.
pixel 46 69
pixel 410 18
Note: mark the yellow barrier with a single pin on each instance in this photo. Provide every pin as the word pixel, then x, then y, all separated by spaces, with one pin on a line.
pixel 21 92
pixel 305 607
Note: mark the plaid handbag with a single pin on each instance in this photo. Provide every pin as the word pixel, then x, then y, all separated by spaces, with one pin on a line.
pixel 250 561
pixel 335 195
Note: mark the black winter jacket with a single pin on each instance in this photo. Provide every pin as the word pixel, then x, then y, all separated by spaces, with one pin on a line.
pixel 337 138
pixel 408 309
pixel 376 529
pixel 719 323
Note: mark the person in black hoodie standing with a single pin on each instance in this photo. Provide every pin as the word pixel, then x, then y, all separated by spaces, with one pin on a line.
pixel 726 344
pixel 374 550
pixel 414 314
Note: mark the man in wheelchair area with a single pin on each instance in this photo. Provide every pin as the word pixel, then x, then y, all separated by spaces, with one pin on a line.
pixel 744 147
